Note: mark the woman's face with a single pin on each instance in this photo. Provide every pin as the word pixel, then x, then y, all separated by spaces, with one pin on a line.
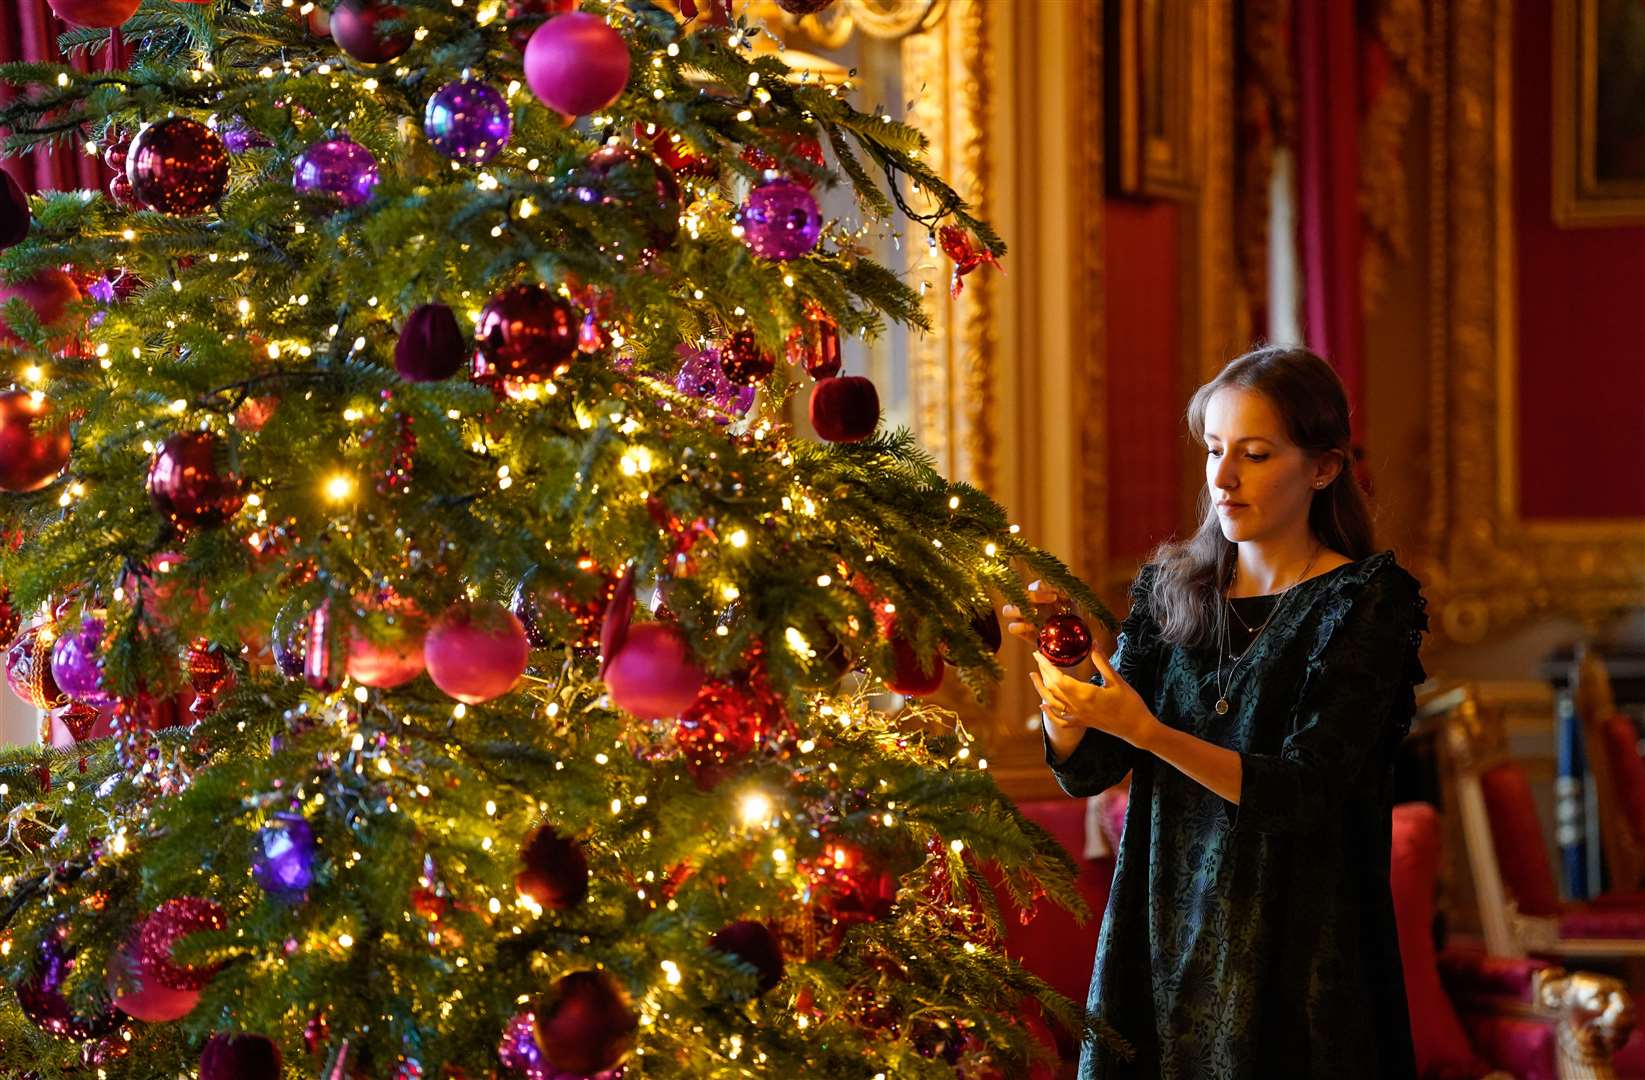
pixel 1261 484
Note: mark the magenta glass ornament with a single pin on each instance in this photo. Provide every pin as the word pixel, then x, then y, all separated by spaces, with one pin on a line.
pixel 40 996
pixel 653 674
pixel 145 999
pixel 340 168
pixel 174 919
pixel 177 166
pixel 468 121
pixel 701 376
pixel 191 483
pixel 283 863
pixel 780 220
pixel 518 1049
pixel 77 663
pixel 576 64
pixel 239 136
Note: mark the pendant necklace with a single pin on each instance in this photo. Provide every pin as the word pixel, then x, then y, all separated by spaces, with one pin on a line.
pixel 1222 629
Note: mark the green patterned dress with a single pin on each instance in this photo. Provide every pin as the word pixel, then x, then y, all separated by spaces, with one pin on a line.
pixel 1258 940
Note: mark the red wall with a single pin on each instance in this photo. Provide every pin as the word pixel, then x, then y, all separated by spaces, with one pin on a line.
pixel 1146 400
pixel 1581 445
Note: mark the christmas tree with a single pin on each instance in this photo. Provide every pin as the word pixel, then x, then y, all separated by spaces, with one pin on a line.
pixel 470 667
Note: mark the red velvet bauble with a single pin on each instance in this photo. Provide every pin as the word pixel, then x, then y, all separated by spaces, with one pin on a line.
pixel 177 166
pixel 845 408
pixel 155 935
pixel 725 723
pixel 909 676
pixel 526 332
pixel 431 345
pixel 576 64
pixel 525 16
pixel 356 28
pixel 1065 639
pixel 143 999
pixel 34 444
pixel 240 1057
pixel 48 294
pixel 15 217
pixel 553 870
pixel 653 674
pixel 28 669
pixel 190 481
pixel 94 14
pixel 393 660
pixel 815 344
pixel 476 652
pixel 744 361
pixel 585 1025
pixel 755 945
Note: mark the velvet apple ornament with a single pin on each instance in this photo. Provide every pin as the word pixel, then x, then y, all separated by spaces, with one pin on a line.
pixel 34 443
pixel 192 483
pixel 553 870
pixel 754 944
pixel 653 674
pixel 357 26
pixel 143 999
pixel 177 166
pixel 476 652
pixel 94 14
pixel 586 1025
pixel 48 293
pixel 845 409
pixel 395 656
pixel 576 64
pixel 240 1057
pixel 431 345
pixel 15 217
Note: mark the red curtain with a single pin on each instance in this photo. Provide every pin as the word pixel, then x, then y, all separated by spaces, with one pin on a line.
pixel 28 31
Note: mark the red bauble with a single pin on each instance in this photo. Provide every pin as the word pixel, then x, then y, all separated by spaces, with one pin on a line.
pixel 585 1025
pixel 391 660
pixel 28 669
pixel 815 344
pixel 355 27
pixel 191 483
pixel 476 652
pixel 145 999
pixel 743 361
pixel 240 1057
pixel 48 294
pixel 664 215
pixel 850 884
pixel 804 147
pixel 524 16
pixel 653 674
pixel 845 409
pixel 431 346
pixel 15 218
pixel 675 154
pixel 172 920
pixel 755 945
pixel 1065 639
pixel 94 14
pixel 576 64
pixel 526 332
pixel 564 605
pixel 909 676
pixel 725 723
pixel 177 166
pixel 34 446
pixel 554 870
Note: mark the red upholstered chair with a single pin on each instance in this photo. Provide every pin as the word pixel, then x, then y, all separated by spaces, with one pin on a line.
pixel 1617 771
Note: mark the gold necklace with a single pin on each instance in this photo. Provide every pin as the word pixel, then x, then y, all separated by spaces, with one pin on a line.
pixel 1222 636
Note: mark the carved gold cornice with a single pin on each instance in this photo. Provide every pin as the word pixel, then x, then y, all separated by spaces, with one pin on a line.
pixel 1400 33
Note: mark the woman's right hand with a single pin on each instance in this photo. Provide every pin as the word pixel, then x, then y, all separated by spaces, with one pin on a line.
pixel 1017 624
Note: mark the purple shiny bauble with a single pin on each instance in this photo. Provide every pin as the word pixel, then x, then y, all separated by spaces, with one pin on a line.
pixel 341 168
pixel 701 376
pixel 239 136
pixel 77 663
pixel 780 220
pixel 40 996
pixel 284 860
pixel 468 121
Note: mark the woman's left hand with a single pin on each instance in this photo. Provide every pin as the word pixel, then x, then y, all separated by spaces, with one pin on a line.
pixel 1113 707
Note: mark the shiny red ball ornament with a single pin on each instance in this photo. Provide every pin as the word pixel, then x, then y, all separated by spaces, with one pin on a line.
pixel 28 668
pixel 396 656
pixel 476 652
pixel 177 166
pixel 724 724
pixel 173 920
pixel 94 14
pixel 15 217
pixel 850 884
pixel 356 27
pixel 564 605
pixel 754 944
pixel 526 332
pixel 191 483
pixel 553 870
pixel 675 152
pixel 585 1024
pixel 1065 639
pixel 743 361
pixel 815 343
pixel 240 1057
pixel 845 409
pixel 34 444
pixel 910 676
pixel 48 294
pixel 796 145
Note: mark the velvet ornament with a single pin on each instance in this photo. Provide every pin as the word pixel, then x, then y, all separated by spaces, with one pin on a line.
pixel 653 674
pixel 34 445
pixel 143 999
pixel 240 1057
pixel 94 14
pixel 357 28
pixel 48 294
pixel 910 676
pixel 845 409
pixel 177 166
pixel 15 217
pixel 576 64
pixel 476 652
pixel 586 1025
pixel 431 345
pixel 754 944
pixel 553 870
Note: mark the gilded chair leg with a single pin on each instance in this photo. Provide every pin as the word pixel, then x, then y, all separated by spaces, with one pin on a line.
pixel 1593 1014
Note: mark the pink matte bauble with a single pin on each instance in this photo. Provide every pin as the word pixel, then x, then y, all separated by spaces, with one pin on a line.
pixel 94 14
pixel 653 675
pixel 48 293
pixel 576 63
pixel 393 662
pixel 476 652
pixel 148 1000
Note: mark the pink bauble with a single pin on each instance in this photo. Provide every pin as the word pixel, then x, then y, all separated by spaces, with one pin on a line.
pixel 393 661
pixel 653 675
pixel 148 1000
pixel 576 63
pixel 94 14
pixel 476 652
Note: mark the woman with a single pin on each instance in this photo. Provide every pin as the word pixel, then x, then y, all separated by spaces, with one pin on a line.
pixel 1263 679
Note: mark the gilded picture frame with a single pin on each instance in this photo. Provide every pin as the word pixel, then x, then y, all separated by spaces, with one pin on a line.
pixel 1155 86
pixel 1598 113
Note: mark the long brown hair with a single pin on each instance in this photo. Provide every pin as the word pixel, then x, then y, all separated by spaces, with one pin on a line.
pixel 1309 397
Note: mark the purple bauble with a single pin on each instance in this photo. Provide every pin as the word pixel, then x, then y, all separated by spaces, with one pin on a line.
pixel 468 121
pixel 77 663
pixel 284 861
pixel 701 376
pixel 40 996
pixel 576 64
pixel 518 1049
pixel 239 136
pixel 341 168
pixel 780 220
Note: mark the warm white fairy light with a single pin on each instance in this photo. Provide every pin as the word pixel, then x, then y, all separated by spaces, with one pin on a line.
pixel 339 487
pixel 754 808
